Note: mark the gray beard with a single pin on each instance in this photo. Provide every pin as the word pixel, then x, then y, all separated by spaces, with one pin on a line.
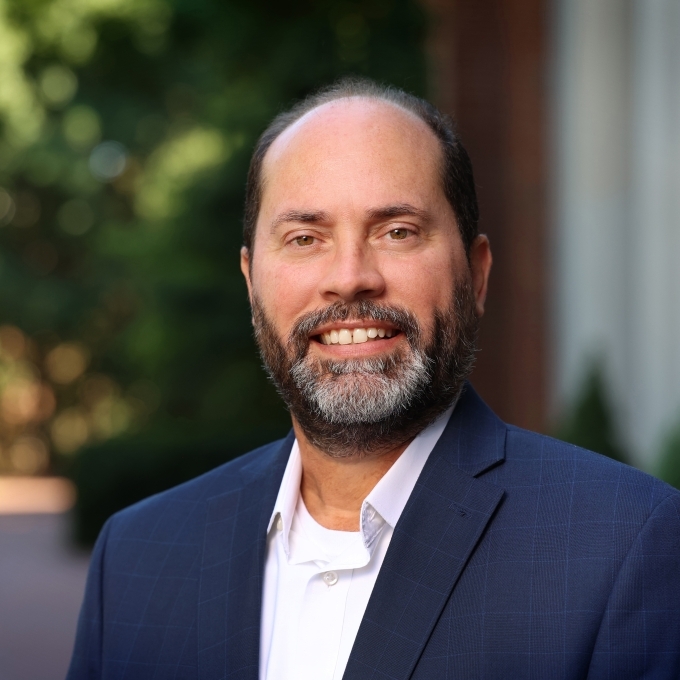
pixel 368 406
pixel 358 391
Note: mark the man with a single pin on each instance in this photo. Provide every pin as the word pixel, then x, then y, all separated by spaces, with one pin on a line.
pixel 401 530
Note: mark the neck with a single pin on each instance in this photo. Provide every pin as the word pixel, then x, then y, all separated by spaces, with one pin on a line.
pixel 333 489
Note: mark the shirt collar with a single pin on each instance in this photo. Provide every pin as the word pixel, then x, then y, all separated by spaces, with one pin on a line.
pixel 284 508
pixel 386 501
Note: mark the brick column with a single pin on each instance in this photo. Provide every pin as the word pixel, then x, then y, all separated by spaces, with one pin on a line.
pixel 489 70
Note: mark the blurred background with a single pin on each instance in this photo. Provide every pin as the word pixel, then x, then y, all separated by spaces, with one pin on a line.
pixel 127 363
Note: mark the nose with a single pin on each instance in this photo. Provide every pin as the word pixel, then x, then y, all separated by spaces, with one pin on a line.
pixel 353 274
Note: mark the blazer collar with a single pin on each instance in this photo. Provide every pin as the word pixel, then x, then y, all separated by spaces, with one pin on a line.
pixel 474 439
pixel 437 533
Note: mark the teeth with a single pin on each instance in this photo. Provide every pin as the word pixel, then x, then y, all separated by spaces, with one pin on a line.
pixel 345 336
pixel 359 335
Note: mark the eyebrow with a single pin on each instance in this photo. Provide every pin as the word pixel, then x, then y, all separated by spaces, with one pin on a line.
pixel 397 210
pixel 304 216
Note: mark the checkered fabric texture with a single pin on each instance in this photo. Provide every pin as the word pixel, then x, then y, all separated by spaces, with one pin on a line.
pixel 517 556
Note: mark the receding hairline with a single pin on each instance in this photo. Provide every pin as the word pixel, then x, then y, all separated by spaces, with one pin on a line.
pixel 335 103
pixel 373 98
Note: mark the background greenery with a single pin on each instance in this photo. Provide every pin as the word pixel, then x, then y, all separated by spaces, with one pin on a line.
pixel 590 422
pixel 126 356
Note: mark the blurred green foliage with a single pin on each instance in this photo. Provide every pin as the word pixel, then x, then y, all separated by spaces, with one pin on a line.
pixel 669 468
pixel 590 424
pixel 125 133
pixel 116 473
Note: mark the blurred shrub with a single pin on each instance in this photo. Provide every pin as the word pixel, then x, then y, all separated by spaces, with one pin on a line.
pixel 122 471
pixel 590 423
pixel 669 467
pixel 125 134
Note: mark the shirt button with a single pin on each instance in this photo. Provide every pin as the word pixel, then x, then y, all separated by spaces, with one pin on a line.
pixel 279 523
pixel 330 578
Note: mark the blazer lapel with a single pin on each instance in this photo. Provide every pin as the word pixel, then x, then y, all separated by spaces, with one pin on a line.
pixel 439 529
pixel 230 589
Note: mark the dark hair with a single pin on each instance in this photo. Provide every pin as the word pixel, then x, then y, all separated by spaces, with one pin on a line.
pixel 459 186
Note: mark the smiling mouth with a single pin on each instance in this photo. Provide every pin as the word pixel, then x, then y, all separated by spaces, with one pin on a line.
pixel 355 336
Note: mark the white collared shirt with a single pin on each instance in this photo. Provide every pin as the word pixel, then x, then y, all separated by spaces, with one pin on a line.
pixel 317 582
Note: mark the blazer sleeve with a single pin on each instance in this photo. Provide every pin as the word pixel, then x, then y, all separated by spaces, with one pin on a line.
pixel 86 662
pixel 640 632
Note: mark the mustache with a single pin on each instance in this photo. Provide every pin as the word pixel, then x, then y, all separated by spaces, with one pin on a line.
pixel 360 310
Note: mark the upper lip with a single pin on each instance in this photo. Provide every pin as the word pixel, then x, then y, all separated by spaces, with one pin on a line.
pixel 351 325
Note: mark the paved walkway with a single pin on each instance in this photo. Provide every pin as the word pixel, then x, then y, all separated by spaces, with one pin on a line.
pixel 42 579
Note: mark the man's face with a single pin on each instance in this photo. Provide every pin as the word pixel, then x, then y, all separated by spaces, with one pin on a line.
pixel 357 261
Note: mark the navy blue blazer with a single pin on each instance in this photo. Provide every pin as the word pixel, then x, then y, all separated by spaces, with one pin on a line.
pixel 517 556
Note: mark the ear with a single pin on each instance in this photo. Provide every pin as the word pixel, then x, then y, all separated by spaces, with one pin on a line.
pixel 480 267
pixel 245 269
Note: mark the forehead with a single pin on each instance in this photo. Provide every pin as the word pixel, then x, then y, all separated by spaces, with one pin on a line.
pixel 356 146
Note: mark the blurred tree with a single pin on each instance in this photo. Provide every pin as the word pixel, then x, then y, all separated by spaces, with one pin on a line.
pixel 669 468
pixel 590 423
pixel 125 132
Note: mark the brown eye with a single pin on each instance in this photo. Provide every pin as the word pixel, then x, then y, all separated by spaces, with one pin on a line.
pixel 398 234
pixel 304 240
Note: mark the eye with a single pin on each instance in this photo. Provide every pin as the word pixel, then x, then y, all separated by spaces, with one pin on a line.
pixel 304 240
pixel 398 234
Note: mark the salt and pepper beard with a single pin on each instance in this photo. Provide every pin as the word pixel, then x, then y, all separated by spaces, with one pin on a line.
pixel 354 407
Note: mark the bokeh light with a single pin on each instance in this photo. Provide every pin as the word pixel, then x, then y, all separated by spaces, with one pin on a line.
pixel 66 362
pixel 20 401
pixel 176 165
pixel 108 160
pixel 12 342
pixel 58 85
pixel 7 207
pixel 110 416
pixel 81 127
pixel 69 430
pixel 29 455
pixel 78 43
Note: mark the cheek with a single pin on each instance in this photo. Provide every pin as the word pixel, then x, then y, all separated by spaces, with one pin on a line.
pixel 423 284
pixel 286 292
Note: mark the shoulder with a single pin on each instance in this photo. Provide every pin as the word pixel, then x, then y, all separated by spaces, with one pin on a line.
pixel 589 479
pixel 184 505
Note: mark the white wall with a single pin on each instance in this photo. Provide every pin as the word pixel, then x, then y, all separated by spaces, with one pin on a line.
pixel 616 241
